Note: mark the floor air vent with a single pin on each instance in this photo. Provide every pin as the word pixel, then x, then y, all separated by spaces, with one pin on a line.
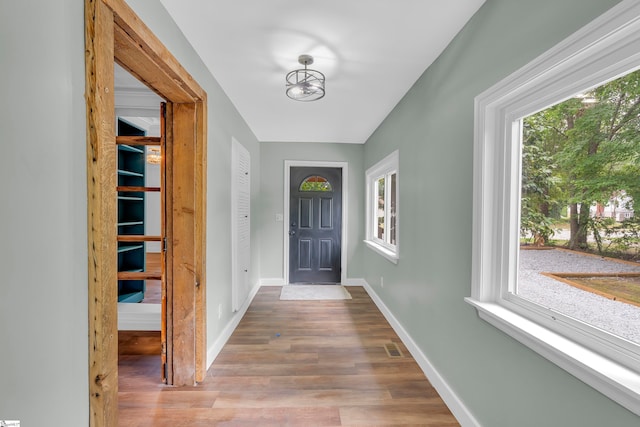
pixel 393 350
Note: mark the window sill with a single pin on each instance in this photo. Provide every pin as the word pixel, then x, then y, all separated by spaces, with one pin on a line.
pixel 388 254
pixel 612 379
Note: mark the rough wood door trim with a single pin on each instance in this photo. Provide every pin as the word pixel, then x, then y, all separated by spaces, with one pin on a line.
pixel 142 66
pixel 166 326
pixel 114 32
pixel 154 57
pixel 101 216
pixel 201 241
pixel 183 243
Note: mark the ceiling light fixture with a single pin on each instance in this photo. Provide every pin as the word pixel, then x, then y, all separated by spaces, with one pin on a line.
pixel 154 155
pixel 307 84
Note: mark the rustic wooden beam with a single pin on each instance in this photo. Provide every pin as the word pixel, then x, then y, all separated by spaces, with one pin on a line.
pixel 201 244
pixel 145 69
pixel 115 33
pixel 166 326
pixel 101 209
pixel 183 243
pixel 138 140
pixel 178 85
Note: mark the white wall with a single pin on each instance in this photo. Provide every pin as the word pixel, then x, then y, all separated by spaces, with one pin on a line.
pixel 43 225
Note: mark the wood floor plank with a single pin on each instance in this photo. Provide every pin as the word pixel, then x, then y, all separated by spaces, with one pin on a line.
pixel 422 414
pixel 263 417
pixel 292 363
pixel 162 399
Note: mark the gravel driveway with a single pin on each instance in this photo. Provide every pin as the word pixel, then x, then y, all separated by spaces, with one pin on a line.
pixel 617 317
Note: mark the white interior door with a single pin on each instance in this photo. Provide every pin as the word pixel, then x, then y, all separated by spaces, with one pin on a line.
pixel 241 223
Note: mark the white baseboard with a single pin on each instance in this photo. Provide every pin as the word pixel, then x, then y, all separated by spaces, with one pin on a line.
pixel 354 282
pixel 277 281
pixel 457 407
pixel 216 347
pixel 138 317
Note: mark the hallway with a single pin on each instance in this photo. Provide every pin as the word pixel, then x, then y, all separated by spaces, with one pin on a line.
pixel 292 363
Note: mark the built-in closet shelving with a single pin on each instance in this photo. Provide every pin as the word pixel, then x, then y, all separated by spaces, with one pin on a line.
pixel 131 215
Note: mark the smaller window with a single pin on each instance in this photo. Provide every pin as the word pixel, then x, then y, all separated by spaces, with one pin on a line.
pixel 316 183
pixel 382 207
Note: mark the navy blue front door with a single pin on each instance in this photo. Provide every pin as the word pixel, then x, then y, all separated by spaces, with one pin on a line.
pixel 315 225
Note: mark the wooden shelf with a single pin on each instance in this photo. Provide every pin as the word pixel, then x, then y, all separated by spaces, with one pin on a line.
pixel 137 140
pixel 142 275
pixel 138 238
pixel 125 188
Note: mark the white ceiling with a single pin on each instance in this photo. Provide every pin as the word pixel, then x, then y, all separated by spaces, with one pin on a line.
pixel 371 52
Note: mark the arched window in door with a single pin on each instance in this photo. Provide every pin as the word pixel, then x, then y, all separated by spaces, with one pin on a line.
pixel 316 183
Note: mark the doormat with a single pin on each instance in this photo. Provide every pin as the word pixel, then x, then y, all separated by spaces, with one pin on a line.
pixel 314 292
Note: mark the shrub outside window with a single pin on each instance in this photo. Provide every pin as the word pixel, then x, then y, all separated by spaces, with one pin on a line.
pixel 316 183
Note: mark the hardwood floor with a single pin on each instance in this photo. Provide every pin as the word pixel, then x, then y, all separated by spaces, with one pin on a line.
pixel 292 363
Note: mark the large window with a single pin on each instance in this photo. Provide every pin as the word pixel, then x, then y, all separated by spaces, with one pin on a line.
pixel 382 207
pixel 580 183
pixel 504 294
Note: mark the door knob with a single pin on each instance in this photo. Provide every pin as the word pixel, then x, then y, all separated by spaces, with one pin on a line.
pixel 292 232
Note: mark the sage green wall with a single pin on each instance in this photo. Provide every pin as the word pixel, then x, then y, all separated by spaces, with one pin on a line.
pixel 502 382
pixel 43 214
pixel 224 122
pixel 43 274
pixel 273 155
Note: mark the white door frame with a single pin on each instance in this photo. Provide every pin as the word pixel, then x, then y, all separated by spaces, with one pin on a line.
pixel 288 164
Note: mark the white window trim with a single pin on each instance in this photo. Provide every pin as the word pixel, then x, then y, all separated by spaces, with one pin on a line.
pixel 388 165
pixel 601 51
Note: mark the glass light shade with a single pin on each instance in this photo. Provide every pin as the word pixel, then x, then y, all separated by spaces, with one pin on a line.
pixel 153 155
